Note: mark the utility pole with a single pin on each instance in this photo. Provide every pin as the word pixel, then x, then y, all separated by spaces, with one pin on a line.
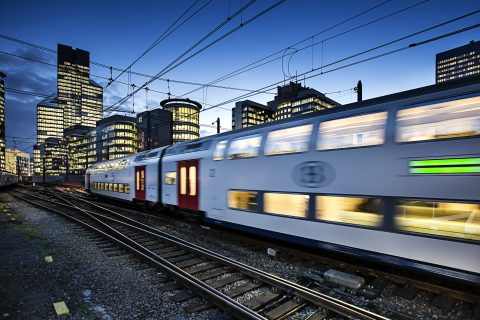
pixel 218 124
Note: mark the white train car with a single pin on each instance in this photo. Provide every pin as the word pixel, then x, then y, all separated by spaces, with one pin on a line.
pixel 396 179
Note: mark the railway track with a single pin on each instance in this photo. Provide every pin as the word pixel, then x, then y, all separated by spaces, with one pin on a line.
pixel 442 293
pixel 220 280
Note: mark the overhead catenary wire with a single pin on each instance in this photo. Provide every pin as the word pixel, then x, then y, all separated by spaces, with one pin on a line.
pixel 234 73
pixel 169 68
pixel 114 68
pixel 163 36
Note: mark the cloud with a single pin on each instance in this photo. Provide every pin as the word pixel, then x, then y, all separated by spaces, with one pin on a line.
pixel 20 110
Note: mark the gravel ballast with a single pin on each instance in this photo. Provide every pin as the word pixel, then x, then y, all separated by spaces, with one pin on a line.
pixel 92 284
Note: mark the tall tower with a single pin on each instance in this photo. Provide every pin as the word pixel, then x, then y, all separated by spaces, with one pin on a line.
pixel 80 98
pixel 185 114
pixel 2 122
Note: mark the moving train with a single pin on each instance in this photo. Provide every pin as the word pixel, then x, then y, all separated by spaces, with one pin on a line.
pixel 7 180
pixel 395 179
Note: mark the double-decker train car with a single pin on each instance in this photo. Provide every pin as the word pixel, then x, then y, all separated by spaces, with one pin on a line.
pixel 395 179
pixel 7 180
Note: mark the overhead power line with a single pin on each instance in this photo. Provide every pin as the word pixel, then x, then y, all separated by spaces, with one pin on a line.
pixel 164 35
pixel 281 53
pixel 170 67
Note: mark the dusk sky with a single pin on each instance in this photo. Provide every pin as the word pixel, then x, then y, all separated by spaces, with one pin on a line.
pixel 115 33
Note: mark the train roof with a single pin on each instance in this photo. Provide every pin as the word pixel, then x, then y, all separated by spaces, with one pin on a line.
pixel 417 92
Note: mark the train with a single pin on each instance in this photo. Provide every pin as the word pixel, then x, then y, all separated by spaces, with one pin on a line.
pixel 394 179
pixel 7 180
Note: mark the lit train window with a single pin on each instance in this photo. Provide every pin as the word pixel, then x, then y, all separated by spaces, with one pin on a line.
pixel 115 187
pixel 451 119
pixel 219 151
pixel 183 180
pixel 127 188
pixel 459 220
pixel 359 131
pixel 120 187
pixel 352 210
pixel 295 205
pixel 244 147
pixel 291 140
pixel 192 177
pixel 170 177
pixel 243 200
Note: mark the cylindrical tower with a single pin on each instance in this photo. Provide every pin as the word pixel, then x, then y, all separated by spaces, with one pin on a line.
pixel 186 124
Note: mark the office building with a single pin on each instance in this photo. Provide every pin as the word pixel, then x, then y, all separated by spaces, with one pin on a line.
pixel 116 137
pixel 49 124
pixel 80 98
pixel 294 99
pixel 2 122
pixel 457 63
pixel 154 129
pixel 17 162
pixel 248 113
pixel 185 114
pixel 81 149
pixel 53 155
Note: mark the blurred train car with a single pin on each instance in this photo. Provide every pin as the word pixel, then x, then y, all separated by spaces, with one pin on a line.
pixel 7 180
pixel 395 179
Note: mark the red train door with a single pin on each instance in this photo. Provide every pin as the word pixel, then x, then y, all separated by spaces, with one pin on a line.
pixel 188 185
pixel 140 183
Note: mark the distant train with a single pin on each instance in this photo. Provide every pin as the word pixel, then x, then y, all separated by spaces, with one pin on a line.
pixel 7 180
pixel 395 179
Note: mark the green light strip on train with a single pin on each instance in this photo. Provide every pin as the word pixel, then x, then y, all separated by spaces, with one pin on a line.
pixel 445 162
pixel 445 170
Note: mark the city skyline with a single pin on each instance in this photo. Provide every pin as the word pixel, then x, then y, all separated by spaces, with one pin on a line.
pixel 118 45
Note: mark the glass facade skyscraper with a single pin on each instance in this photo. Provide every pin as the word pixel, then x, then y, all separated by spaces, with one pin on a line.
pixel 185 112
pixel 80 98
pixel 459 62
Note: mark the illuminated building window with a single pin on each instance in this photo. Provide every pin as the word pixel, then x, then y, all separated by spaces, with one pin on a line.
pixel 219 151
pixel 295 205
pixel 170 177
pixel 243 200
pixel 451 119
pixel 351 210
pixel 244 147
pixel 359 131
pixel 458 220
pixel 289 140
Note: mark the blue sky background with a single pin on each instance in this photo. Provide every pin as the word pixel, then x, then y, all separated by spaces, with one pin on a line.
pixel 116 32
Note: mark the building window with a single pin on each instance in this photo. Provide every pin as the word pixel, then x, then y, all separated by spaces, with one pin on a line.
pixel 352 210
pixel 458 220
pixel 295 205
pixel 451 119
pixel 359 131
pixel 291 140
pixel 219 151
pixel 243 200
pixel 244 147
pixel 170 177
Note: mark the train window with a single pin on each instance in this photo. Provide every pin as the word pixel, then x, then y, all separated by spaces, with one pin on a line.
pixel 115 187
pixel 170 177
pixel 295 205
pixel 244 147
pixel 219 151
pixel 291 140
pixel 192 176
pixel 451 119
pixel 137 181
pixel 153 154
pixel 110 187
pixel 358 131
pixel 353 210
pixel 459 220
pixel 120 187
pixel 102 185
pixel 183 180
pixel 127 188
pixel 243 200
